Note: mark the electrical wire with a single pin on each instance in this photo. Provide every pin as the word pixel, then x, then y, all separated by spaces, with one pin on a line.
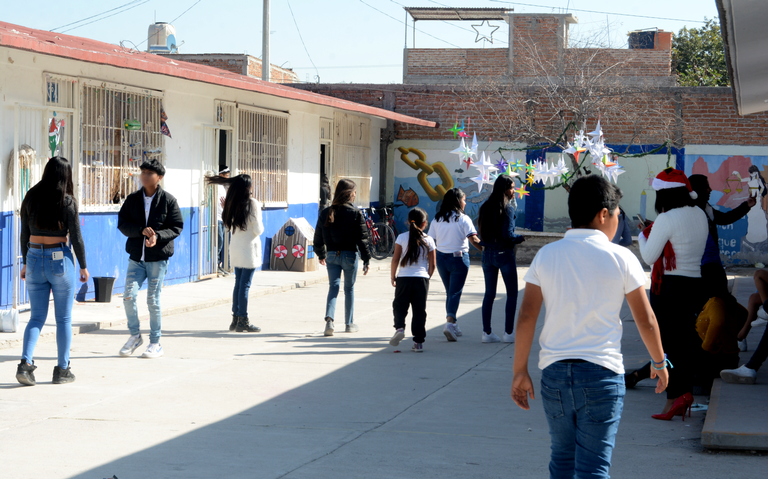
pixel 602 13
pixel 400 21
pixel 132 6
pixel 93 16
pixel 298 30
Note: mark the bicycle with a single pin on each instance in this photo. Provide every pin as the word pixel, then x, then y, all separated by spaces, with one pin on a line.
pixel 381 238
pixel 387 216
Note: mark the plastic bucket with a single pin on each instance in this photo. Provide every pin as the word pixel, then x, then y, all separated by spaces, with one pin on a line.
pixel 103 287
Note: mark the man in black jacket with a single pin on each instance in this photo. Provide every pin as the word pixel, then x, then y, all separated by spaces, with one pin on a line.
pixel 151 220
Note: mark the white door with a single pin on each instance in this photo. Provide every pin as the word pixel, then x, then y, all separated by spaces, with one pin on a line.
pixel 33 143
pixel 208 258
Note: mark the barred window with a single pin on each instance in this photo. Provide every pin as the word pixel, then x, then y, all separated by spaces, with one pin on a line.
pixel 120 128
pixel 262 153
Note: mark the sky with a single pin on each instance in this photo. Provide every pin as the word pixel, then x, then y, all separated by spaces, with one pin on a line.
pixel 344 41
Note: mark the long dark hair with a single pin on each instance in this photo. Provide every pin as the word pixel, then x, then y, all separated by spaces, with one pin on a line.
pixel 450 208
pixel 237 205
pixel 416 241
pixel 490 219
pixel 344 190
pixel 670 198
pixel 48 198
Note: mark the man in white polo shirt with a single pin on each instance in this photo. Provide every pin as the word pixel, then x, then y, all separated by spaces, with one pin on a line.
pixel 582 281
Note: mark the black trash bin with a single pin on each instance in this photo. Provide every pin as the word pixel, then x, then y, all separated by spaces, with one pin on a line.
pixel 103 286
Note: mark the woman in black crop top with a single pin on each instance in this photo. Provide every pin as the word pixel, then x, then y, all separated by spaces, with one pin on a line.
pixel 48 214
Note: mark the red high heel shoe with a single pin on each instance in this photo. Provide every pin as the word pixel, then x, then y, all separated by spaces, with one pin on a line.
pixel 679 407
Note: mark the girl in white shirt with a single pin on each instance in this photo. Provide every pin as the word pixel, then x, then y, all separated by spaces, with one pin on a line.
pixel 242 217
pixel 674 245
pixel 453 231
pixel 415 254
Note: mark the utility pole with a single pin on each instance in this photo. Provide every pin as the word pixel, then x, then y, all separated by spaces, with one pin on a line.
pixel 265 65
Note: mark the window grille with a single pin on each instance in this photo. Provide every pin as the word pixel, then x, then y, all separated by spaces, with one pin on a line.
pixel 262 153
pixel 120 128
pixel 60 91
pixel 352 154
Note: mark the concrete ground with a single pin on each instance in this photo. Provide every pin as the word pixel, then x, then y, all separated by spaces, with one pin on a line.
pixel 289 402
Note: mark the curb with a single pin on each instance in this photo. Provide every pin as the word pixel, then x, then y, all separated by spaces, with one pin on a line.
pixel 89 327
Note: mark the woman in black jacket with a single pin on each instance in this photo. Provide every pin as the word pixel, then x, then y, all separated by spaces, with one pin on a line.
pixel 339 235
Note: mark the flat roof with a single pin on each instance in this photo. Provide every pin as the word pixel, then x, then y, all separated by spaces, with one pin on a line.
pixel 92 51
pixel 456 14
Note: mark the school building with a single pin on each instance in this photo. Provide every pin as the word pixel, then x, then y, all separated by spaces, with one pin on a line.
pixel 510 81
pixel 107 108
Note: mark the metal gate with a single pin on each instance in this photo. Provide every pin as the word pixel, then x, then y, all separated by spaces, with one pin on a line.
pixel 208 258
pixel 34 141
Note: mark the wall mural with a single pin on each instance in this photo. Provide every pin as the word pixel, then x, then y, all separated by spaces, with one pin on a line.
pixel 733 179
pixel 422 176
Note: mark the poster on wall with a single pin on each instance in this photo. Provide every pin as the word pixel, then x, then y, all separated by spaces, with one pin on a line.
pixel 734 179
pixel 423 175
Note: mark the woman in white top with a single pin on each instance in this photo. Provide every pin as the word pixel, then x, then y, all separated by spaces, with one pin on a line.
pixel 242 217
pixel 674 245
pixel 453 231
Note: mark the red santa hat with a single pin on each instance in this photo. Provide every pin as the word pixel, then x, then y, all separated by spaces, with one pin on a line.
pixel 671 178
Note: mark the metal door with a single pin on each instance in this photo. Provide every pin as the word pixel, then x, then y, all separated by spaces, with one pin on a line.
pixel 208 258
pixel 34 141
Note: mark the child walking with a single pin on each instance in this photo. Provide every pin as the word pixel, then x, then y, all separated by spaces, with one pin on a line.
pixel 415 254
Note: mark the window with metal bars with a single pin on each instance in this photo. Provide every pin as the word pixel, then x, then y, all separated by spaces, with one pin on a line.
pixel 262 153
pixel 119 129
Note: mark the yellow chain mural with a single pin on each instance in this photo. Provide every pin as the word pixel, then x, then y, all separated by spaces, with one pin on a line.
pixel 434 193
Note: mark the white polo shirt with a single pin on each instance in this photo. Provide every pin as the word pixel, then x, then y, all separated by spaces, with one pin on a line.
pixel 584 279
pixel 451 236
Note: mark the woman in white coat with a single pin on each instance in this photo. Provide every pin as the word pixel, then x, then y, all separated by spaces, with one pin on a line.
pixel 242 217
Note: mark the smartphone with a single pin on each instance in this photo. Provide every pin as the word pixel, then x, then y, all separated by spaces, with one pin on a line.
pixel 640 219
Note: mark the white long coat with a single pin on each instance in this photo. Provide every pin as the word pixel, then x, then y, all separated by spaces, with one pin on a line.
pixel 245 246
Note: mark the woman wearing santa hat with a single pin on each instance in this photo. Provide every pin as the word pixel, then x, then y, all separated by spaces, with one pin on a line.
pixel 674 245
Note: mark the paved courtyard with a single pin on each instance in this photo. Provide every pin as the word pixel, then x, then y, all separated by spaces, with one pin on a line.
pixel 289 402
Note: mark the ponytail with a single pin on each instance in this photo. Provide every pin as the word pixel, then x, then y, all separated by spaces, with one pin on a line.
pixel 416 241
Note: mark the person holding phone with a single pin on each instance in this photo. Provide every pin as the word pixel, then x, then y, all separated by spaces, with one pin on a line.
pixel 48 214
pixel 341 239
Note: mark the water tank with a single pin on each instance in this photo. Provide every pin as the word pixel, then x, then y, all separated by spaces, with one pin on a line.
pixel 162 38
pixel 642 39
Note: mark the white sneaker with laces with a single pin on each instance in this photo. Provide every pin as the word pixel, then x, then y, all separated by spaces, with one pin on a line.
pixel 457 330
pixel 449 332
pixel 509 338
pixel 762 318
pixel 491 338
pixel 154 350
pixel 742 375
pixel 399 335
pixel 130 346
pixel 743 346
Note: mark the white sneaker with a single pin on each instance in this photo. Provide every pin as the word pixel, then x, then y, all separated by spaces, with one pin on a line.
pixel 457 330
pixel 449 332
pixel 742 375
pixel 491 338
pixel 399 335
pixel 131 345
pixel 509 338
pixel 762 318
pixel 743 346
pixel 154 350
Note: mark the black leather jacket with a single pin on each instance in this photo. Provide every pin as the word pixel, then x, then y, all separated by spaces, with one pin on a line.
pixel 347 233
pixel 164 217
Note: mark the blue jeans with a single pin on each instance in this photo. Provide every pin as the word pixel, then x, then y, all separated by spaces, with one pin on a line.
pixel 221 243
pixel 243 277
pixel 336 262
pixel 583 403
pixel 154 273
pixel 453 272
pixel 44 274
pixel 494 261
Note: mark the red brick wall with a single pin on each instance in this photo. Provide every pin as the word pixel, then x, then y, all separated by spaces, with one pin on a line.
pixel 707 114
pixel 277 75
pixel 228 63
pixel 457 61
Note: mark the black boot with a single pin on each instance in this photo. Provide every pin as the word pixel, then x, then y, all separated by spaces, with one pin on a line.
pixel 25 374
pixel 244 326
pixel 233 324
pixel 63 376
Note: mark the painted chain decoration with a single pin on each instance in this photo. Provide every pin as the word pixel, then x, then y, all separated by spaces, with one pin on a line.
pixel 434 193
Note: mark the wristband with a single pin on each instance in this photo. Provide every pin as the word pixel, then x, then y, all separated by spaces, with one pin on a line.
pixel 663 364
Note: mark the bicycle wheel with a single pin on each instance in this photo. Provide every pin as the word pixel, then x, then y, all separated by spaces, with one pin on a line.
pixel 385 245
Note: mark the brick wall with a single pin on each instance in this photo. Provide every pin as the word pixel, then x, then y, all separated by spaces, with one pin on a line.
pixel 700 115
pixel 237 63
pixel 456 61
pixel 277 75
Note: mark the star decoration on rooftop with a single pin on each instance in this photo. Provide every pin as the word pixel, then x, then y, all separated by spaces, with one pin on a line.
pixel 484 31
